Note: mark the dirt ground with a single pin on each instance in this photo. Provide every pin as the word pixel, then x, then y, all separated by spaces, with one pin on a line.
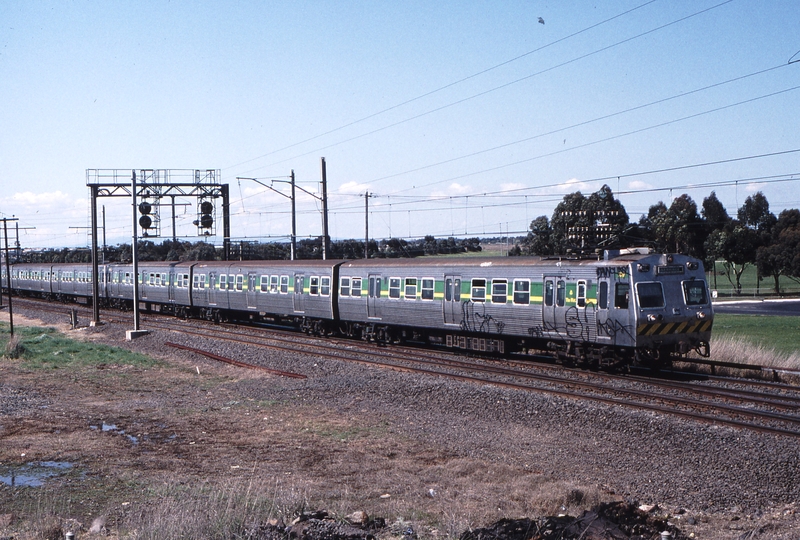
pixel 202 444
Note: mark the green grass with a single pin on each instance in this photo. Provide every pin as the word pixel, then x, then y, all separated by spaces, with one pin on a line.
pixel 45 348
pixel 772 332
pixel 750 283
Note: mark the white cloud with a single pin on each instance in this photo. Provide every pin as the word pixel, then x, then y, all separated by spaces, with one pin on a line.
pixel 638 184
pixel 752 188
pixel 40 200
pixel 353 187
pixel 573 184
pixel 454 189
pixel 512 186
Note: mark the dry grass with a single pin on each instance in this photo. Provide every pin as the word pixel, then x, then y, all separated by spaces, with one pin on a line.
pixel 13 348
pixel 740 350
pixel 734 349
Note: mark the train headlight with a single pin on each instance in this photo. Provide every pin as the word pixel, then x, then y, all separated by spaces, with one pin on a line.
pixel 701 314
pixel 654 318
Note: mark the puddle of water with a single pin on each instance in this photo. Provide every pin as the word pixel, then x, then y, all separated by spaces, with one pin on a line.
pixel 114 429
pixel 32 474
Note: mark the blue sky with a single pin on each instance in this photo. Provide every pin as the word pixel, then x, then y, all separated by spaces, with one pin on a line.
pixel 461 117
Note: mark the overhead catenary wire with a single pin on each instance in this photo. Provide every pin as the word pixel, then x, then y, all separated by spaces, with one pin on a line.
pixel 496 88
pixel 446 86
pixel 603 140
pixel 579 124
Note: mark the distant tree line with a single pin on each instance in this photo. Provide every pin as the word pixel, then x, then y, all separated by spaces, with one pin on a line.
pixel 755 237
pixel 169 250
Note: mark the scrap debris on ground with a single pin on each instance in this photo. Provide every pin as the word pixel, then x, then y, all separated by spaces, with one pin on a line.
pixel 606 521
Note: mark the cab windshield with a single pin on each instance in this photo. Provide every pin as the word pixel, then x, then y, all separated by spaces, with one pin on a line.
pixel 651 294
pixel 694 292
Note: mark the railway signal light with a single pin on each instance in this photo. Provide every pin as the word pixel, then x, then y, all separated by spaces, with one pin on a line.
pixel 148 220
pixel 205 218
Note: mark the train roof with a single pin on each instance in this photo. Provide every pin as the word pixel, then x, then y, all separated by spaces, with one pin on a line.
pixel 478 261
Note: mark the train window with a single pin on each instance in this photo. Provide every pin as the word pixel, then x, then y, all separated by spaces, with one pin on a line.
pixel 499 291
pixel 581 293
pixel 157 282
pixel 394 287
pixel 411 289
pixel 231 281
pixel 313 286
pixel 621 294
pixel 239 282
pixel 325 286
pixel 298 284
pixel 694 293
pixel 650 294
pixel 478 293
pixel 448 289
pixel 186 280
pixel 548 293
pixel 128 279
pixel 284 284
pixel 344 287
pixel 602 295
pixel 273 284
pixel 522 292
pixel 264 283
pixel 457 290
pixel 223 282
pixel 355 288
pixel 151 280
pixel 561 292
pixel 427 288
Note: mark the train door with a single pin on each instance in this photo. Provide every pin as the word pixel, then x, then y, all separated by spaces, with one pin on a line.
pixel 171 285
pixel 554 298
pixel 623 332
pixel 605 330
pixel 252 293
pixel 373 296
pixel 298 296
pixel 212 289
pixel 452 299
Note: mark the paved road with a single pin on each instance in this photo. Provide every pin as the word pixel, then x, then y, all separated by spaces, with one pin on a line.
pixel 759 307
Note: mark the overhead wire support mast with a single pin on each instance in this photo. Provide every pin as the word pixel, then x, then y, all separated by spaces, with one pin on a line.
pixel 323 199
pixel 293 252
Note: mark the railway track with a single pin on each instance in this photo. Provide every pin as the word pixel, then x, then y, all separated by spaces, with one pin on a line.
pixel 773 409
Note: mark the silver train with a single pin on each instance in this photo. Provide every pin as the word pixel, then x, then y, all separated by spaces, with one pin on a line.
pixel 631 307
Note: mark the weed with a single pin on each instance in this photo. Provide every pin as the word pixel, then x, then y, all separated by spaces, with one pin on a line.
pixel 14 347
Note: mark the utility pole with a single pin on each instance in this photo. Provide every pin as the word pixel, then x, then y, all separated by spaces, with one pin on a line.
pixel 294 224
pixel 366 224
pixel 325 238
pixel 8 276
pixel 226 221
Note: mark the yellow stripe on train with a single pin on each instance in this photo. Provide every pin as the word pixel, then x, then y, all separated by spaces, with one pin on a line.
pixel 664 329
